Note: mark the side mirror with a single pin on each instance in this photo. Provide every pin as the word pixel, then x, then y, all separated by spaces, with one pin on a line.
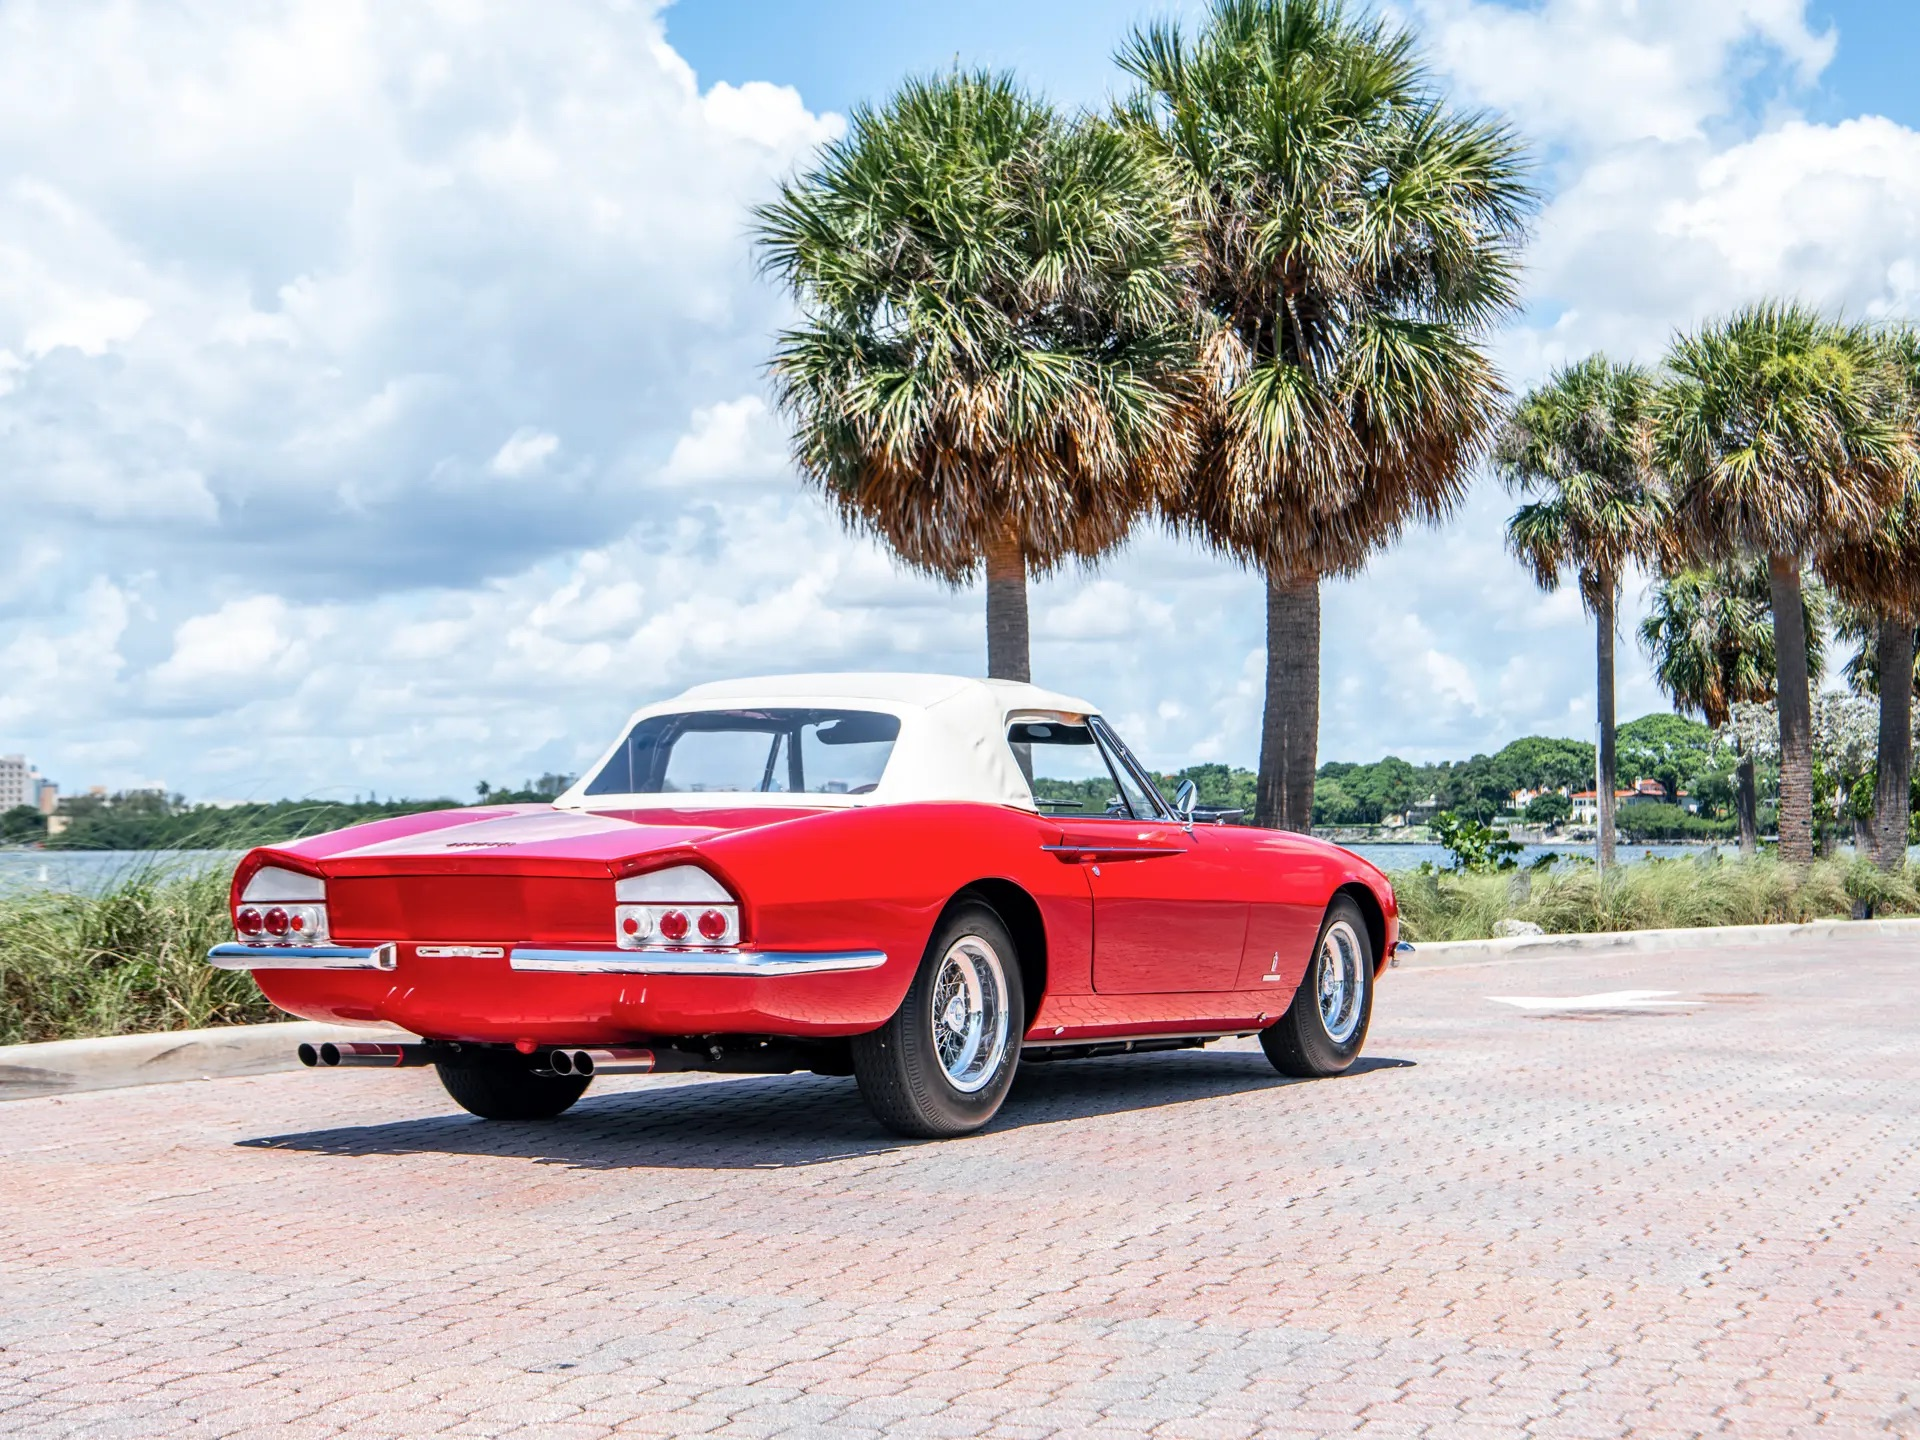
pixel 1184 800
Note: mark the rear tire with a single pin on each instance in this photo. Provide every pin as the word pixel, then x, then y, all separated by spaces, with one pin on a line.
pixel 504 1092
pixel 942 1065
pixel 1325 1026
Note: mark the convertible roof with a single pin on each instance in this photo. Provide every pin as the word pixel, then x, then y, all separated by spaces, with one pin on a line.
pixel 899 687
pixel 952 743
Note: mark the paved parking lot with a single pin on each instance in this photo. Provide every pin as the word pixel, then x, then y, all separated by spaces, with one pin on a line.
pixel 1695 1218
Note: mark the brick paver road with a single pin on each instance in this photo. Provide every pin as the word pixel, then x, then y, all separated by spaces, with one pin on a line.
pixel 1698 1220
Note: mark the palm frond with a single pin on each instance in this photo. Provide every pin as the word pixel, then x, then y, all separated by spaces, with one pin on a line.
pixel 1785 432
pixel 1581 446
pixel 1355 237
pixel 995 333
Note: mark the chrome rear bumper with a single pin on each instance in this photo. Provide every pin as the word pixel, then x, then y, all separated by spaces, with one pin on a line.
pixel 761 964
pixel 303 957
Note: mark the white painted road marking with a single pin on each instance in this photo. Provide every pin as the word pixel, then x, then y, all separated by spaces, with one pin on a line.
pixel 1610 1000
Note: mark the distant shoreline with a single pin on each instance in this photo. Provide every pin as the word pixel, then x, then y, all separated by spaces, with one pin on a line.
pixel 1351 837
pixel 1337 837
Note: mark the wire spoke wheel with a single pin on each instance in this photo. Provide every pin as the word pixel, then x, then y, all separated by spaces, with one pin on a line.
pixel 970 1013
pixel 942 1064
pixel 1340 981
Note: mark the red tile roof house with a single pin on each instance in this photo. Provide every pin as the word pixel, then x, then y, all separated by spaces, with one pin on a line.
pixel 1586 807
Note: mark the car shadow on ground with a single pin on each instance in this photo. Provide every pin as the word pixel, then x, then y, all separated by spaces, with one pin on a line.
pixel 783 1121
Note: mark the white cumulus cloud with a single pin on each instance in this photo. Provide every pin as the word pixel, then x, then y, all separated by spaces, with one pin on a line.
pixel 526 452
pixel 381 390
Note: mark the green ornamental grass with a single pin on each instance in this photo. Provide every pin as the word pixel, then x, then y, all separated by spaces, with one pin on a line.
pixel 130 958
pixel 1675 894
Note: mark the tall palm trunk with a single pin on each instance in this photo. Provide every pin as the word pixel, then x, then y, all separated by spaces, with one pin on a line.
pixel 1605 781
pixel 1796 710
pixel 1894 768
pixel 1009 652
pixel 1745 806
pixel 1290 729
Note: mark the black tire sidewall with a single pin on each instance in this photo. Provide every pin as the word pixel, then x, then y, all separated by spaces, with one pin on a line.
pixel 1299 1043
pixel 901 1056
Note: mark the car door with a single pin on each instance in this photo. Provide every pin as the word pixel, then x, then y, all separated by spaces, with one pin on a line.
pixel 1169 914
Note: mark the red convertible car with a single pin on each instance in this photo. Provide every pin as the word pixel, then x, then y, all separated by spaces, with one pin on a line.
pixel 918 880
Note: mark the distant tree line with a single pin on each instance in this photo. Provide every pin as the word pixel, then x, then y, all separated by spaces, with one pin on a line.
pixel 1685 756
pixel 154 820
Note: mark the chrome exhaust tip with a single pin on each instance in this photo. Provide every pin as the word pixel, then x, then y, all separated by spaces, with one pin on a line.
pixel 362 1054
pixel 622 1060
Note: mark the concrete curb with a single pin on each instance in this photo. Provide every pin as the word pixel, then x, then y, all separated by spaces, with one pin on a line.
pixel 63 1067
pixel 1627 942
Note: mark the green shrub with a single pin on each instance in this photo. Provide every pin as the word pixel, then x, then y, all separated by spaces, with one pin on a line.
pixel 130 958
pixel 1648 895
pixel 1475 846
pixel 1657 821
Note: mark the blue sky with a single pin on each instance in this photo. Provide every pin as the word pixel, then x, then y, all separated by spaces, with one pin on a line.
pixel 838 55
pixel 382 402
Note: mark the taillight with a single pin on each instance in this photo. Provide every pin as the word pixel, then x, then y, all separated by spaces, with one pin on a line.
pixel 682 906
pixel 282 907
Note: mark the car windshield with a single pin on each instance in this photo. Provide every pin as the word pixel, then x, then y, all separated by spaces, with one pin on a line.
pixel 789 752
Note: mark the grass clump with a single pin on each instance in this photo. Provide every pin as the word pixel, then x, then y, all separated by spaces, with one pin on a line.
pixel 1679 894
pixel 130 958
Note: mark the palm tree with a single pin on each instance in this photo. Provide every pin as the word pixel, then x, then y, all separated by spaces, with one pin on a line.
pixel 1881 646
pixel 1879 578
pixel 1578 446
pixel 992 335
pixel 1710 637
pixel 1357 238
pixel 1784 433
pixel 1859 630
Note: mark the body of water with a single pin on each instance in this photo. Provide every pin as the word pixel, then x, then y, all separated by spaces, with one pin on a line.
pixel 91 870
pixel 1407 857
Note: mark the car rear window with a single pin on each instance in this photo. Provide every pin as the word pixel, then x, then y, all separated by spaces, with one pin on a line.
pixel 780 752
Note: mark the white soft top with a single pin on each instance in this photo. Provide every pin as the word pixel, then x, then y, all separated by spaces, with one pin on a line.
pixel 952 743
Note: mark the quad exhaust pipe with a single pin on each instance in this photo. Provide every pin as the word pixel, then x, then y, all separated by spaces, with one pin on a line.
pixel 585 1063
pixel 356 1054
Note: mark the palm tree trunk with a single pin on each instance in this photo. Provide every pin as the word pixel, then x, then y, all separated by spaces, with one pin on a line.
pixel 1796 710
pixel 1605 783
pixel 1290 729
pixel 1893 771
pixel 1009 652
pixel 1746 806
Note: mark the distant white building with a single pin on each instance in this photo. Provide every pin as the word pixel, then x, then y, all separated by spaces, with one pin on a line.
pixel 19 783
